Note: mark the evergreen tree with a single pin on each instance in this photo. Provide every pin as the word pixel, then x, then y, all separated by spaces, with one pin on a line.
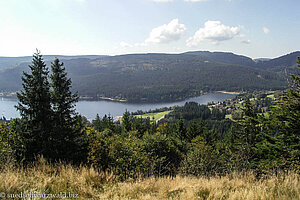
pixel 193 130
pixel 180 129
pixel 288 121
pixel 35 110
pixel 97 123
pixel 126 121
pixel 67 133
pixel 245 136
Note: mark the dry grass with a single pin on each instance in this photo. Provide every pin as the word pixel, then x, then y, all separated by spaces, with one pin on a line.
pixel 42 178
pixel 227 187
pixel 89 183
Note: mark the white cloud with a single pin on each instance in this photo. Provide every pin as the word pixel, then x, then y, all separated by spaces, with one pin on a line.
pixel 215 32
pixel 246 41
pixel 266 30
pixel 167 32
pixel 163 1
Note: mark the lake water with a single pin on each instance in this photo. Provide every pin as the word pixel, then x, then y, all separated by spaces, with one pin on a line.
pixel 91 108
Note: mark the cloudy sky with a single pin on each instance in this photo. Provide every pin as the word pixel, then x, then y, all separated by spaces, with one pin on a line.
pixel 255 28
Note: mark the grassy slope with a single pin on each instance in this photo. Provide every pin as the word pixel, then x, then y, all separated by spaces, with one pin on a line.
pixel 155 115
pixel 89 183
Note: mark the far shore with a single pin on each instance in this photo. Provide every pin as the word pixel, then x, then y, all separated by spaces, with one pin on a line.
pixel 111 99
pixel 89 98
pixel 225 92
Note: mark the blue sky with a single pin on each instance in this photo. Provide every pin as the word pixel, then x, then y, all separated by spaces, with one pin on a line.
pixel 255 28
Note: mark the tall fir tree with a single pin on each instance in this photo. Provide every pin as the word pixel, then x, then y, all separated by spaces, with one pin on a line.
pixel 180 130
pixel 69 143
pixel 126 121
pixel 287 114
pixel 35 110
pixel 245 135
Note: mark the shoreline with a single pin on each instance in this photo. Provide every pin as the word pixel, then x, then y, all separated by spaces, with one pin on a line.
pixel 86 98
pixel 111 99
pixel 225 92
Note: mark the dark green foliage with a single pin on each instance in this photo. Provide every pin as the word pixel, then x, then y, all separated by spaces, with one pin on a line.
pixel 194 111
pixel 49 125
pixel 105 123
pixel 246 136
pixel 206 159
pixel 127 121
pixel 97 123
pixel 287 116
pixel 163 152
pixel 6 150
pixel 35 109
pixel 180 130
pixel 194 129
pixel 67 137
pixel 142 125
pixel 121 154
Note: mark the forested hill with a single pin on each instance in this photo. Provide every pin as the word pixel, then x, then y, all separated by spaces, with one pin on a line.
pixel 14 61
pixel 280 63
pixel 224 57
pixel 160 77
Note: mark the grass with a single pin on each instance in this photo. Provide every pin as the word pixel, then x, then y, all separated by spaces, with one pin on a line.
pixel 155 115
pixel 42 178
pixel 90 183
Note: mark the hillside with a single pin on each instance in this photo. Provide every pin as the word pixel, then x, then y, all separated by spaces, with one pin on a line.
pixel 159 77
pixel 165 77
pixel 13 61
pixel 282 62
pixel 224 57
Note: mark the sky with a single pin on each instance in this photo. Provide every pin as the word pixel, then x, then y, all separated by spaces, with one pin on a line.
pixel 254 28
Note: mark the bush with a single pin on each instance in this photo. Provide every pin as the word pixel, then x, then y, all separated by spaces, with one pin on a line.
pixel 163 153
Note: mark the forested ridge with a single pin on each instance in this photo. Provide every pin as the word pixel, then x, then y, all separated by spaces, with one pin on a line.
pixel 164 77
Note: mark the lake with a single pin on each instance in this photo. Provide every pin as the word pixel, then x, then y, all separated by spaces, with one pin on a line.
pixel 91 108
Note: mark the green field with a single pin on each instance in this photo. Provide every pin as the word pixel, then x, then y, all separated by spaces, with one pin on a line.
pixel 228 116
pixel 155 115
pixel 271 96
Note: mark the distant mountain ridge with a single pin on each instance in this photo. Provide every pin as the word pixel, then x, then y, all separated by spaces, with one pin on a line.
pixel 281 62
pixel 157 77
pixel 12 61
pixel 224 57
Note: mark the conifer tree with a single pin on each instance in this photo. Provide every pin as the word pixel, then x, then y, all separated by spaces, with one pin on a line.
pixel 35 110
pixel 180 129
pixel 67 135
pixel 245 136
pixel 97 123
pixel 126 121
pixel 288 121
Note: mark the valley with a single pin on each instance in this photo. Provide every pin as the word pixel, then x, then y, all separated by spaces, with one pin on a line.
pixel 154 78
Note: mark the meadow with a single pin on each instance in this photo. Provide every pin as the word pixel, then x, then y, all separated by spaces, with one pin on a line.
pixel 90 183
pixel 154 116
